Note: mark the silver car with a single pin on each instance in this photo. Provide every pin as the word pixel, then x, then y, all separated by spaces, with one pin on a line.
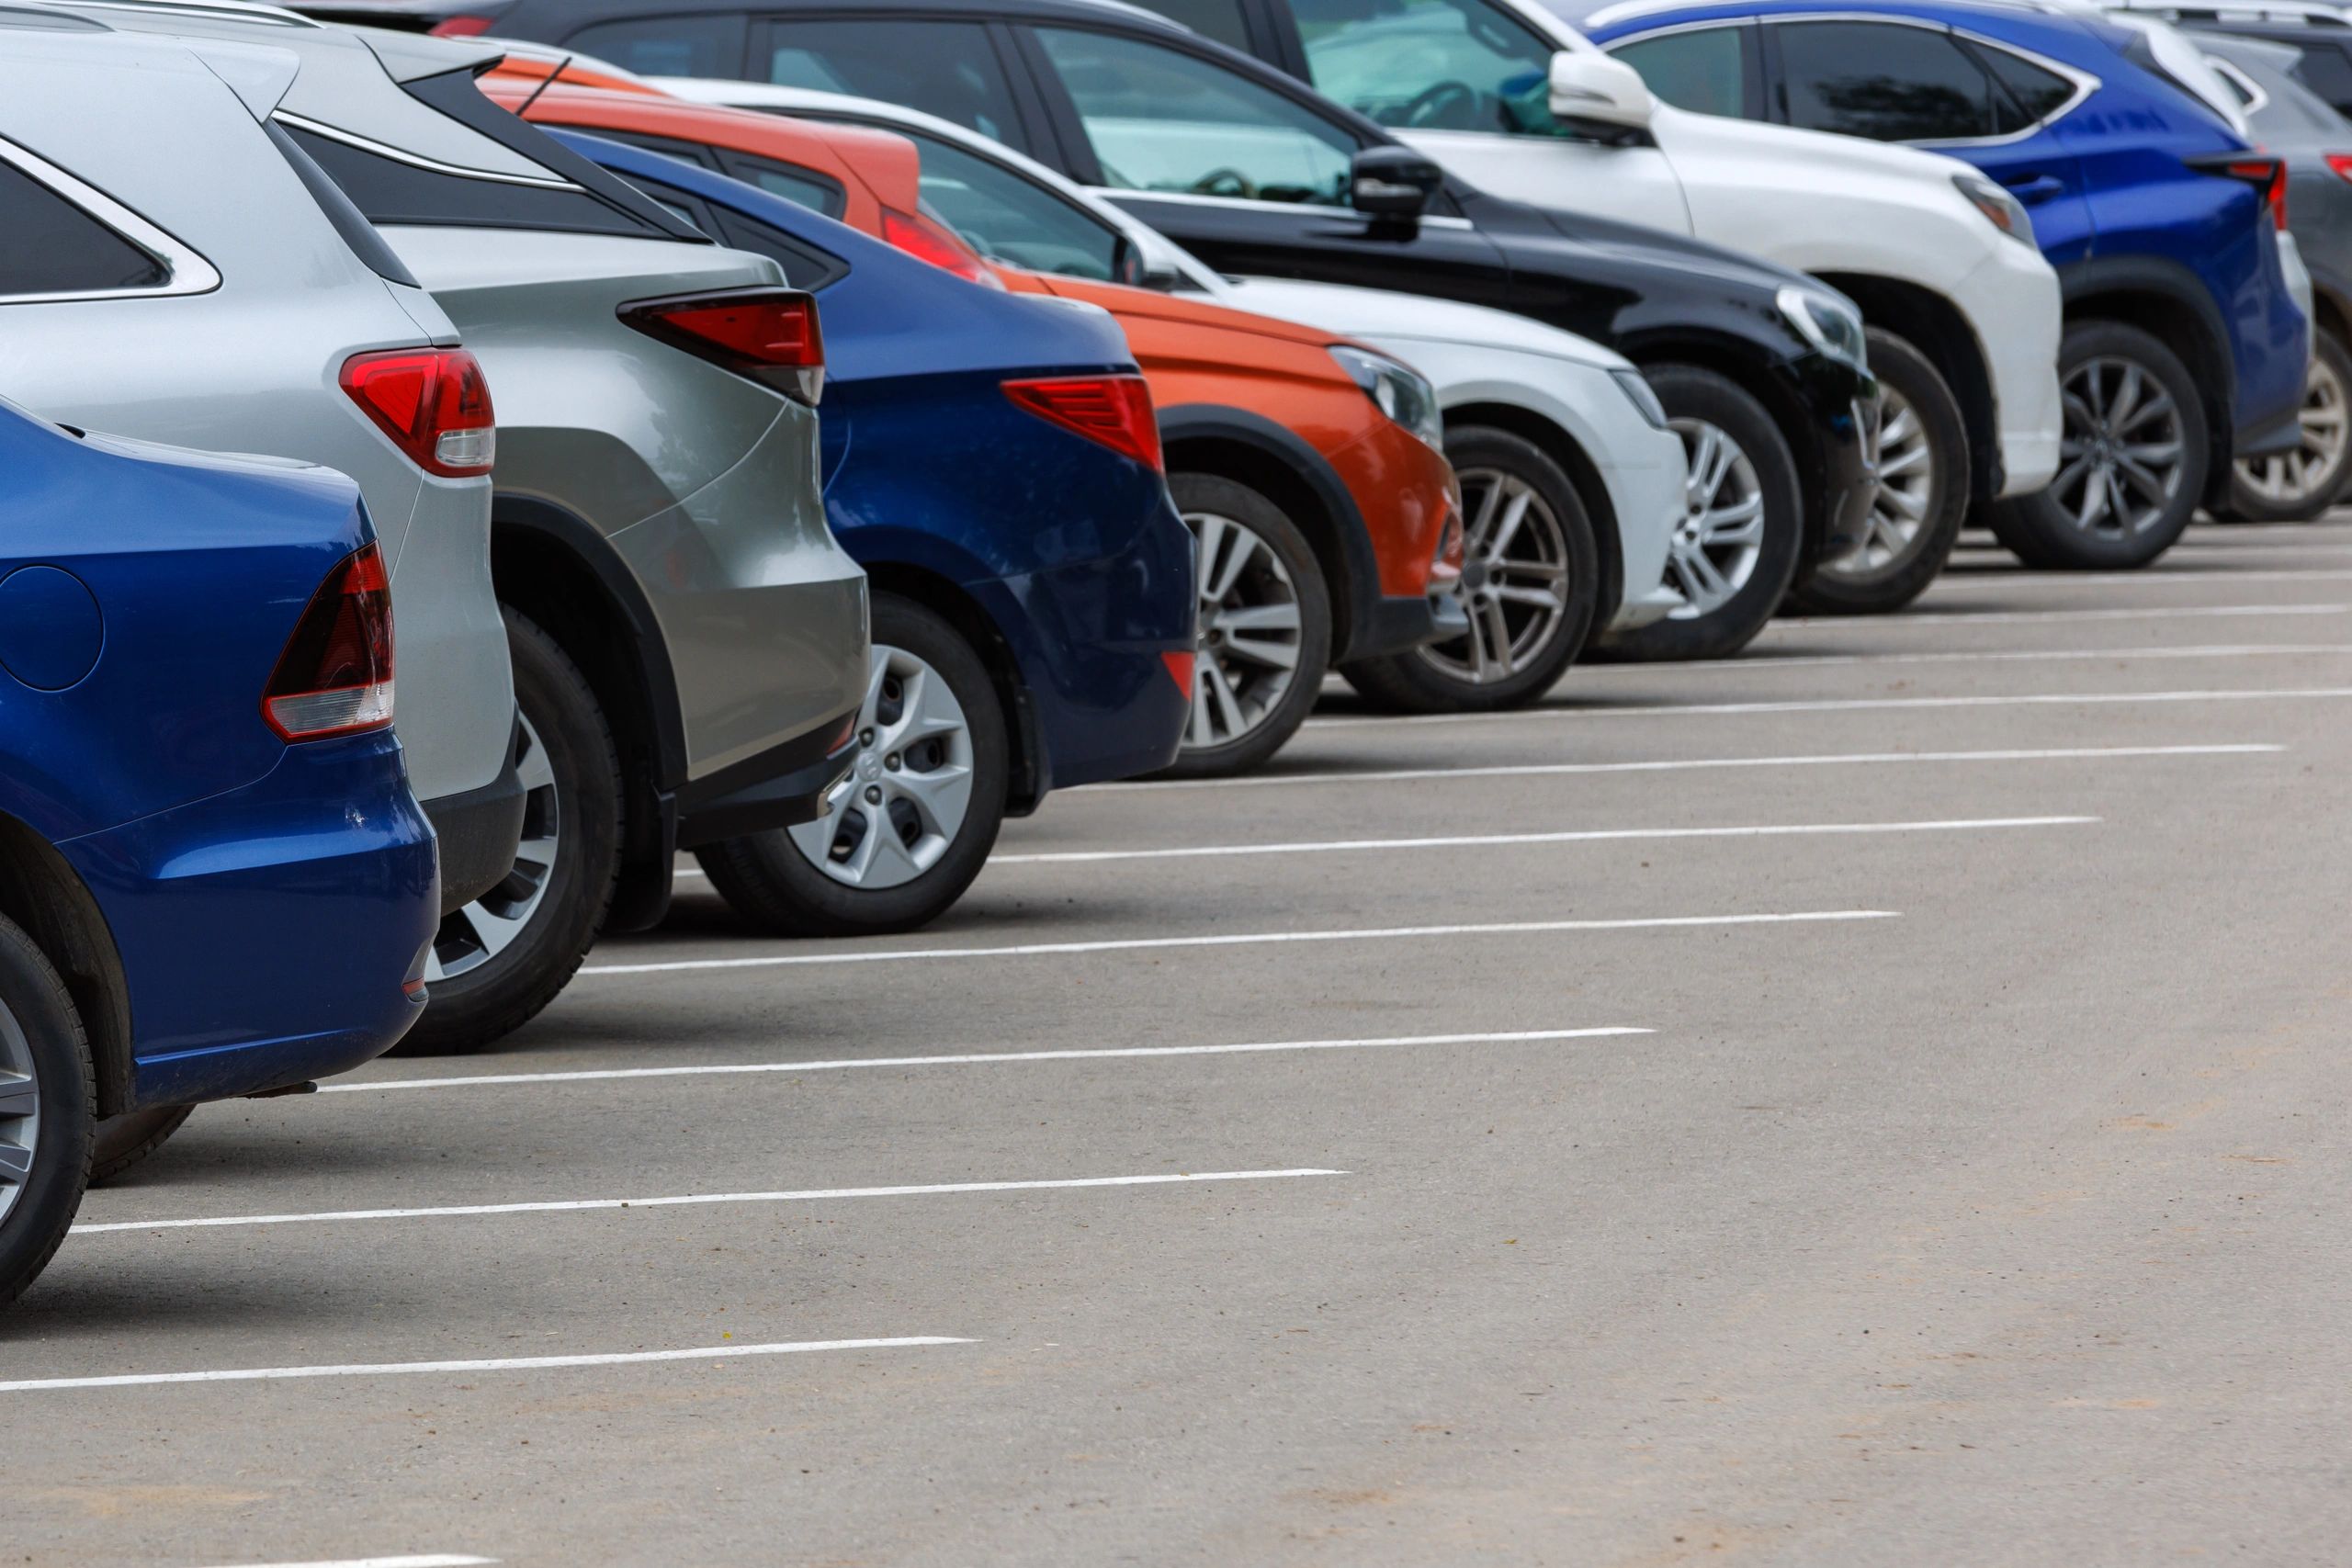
pixel 689 642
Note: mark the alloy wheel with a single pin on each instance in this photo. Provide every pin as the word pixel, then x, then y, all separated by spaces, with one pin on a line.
pixel 473 936
pixel 1249 631
pixel 2290 477
pixel 1905 462
pixel 19 1110
pixel 1715 548
pixel 2121 456
pixel 909 790
pixel 1514 580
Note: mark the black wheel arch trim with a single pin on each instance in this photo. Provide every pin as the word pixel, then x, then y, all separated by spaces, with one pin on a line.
pixel 2084 285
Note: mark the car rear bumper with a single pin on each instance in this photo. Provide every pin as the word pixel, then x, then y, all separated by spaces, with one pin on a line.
pixel 274 933
pixel 477 832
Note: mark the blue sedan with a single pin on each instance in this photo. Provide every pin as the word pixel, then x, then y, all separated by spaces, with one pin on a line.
pixel 214 880
pixel 993 463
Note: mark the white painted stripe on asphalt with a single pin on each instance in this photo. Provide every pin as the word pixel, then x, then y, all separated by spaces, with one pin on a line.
pixel 493 1364
pixel 2010 617
pixel 1850 705
pixel 1684 764
pixel 1129 944
pixel 691 1199
pixel 1575 836
pixel 985 1058
pixel 2147 576
pixel 2032 656
pixel 435 1560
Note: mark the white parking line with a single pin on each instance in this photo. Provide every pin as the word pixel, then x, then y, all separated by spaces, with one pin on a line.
pixel 2011 617
pixel 2157 578
pixel 691 1199
pixel 715 1353
pixel 1574 836
pixel 1848 705
pixel 982 1058
pixel 1684 764
pixel 1249 939
pixel 2031 655
pixel 435 1560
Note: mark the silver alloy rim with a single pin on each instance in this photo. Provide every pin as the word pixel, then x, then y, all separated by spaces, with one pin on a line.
pixel 2120 460
pixel 1721 534
pixel 1249 631
pixel 907 795
pixel 1514 580
pixel 1905 462
pixel 19 1111
pixel 473 936
pixel 2290 477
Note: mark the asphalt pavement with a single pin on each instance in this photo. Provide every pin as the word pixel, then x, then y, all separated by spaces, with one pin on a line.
pixel 1879 1101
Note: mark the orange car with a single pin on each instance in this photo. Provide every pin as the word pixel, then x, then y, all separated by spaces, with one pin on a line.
pixel 1328 530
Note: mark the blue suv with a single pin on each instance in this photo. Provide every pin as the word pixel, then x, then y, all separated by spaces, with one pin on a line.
pixel 2184 348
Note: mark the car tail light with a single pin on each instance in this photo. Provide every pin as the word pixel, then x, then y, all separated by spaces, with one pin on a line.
pixel 433 403
pixel 1114 410
pixel 769 334
pixel 2266 175
pixel 2341 164
pixel 462 25
pixel 926 239
pixel 1180 670
pixel 336 675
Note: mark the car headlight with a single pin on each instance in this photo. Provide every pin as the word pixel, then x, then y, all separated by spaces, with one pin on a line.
pixel 1403 393
pixel 1826 323
pixel 2001 209
pixel 1643 396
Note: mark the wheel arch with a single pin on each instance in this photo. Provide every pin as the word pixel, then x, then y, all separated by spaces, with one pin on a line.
pixel 2167 302
pixel 41 893
pixel 1934 326
pixel 951 602
pixel 1557 443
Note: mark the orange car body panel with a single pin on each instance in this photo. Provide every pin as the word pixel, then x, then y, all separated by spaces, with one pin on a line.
pixel 1193 354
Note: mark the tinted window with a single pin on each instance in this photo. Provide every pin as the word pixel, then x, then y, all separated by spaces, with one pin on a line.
pixel 2328 72
pixel 804 267
pixel 1430 64
pixel 1009 220
pixel 803 188
pixel 47 245
pixel 1219 19
pixel 1882 81
pixel 389 191
pixel 948 69
pixel 666 46
pixel 1705 70
pixel 2029 93
pixel 1163 121
pixel 356 231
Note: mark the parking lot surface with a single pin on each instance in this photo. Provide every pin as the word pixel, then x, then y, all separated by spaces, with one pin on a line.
pixel 1876 1101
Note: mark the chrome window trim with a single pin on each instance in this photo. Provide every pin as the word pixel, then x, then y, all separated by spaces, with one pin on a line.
pixel 417 160
pixel 2256 97
pixel 185 272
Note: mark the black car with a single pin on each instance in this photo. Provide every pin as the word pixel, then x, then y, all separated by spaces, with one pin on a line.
pixel 1760 367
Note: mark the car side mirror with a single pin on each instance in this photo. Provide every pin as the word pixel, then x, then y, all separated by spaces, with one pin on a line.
pixel 1596 93
pixel 1393 181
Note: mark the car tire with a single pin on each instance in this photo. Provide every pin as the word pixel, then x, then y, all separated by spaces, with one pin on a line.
pixel 123 1141
pixel 2298 486
pixel 501 959
pixel 1527 530
pixel 1732 576
pixel 1922 461
pixel 2106 368
pixel 1256 573
pixel 872 866
pixel 49 1110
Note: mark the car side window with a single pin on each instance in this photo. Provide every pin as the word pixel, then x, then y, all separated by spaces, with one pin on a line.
pixel 804 267
pixel 1160 119
pixel 1219 19
pixel 1884 81
pixel 666 46
pixel 2032 93
pixel 47 245
pixel 1430 64
pixel 1009 220
pixel 2328 73
pixel 1704 70
pixel 949 69
pixel 803 188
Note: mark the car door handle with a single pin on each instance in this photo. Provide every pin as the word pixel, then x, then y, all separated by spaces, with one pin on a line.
pixel 2031 188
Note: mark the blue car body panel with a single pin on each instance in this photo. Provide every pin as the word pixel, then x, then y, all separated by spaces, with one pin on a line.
pixel 2114 200
pixel 1073 552
pixel 267 903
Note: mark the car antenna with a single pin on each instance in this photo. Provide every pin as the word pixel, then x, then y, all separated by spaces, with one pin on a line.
pixel 547 81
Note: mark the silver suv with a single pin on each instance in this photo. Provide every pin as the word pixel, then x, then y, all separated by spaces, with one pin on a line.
pixel 689 642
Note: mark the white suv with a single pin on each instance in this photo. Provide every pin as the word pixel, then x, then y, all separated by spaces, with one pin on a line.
pixel 1965 313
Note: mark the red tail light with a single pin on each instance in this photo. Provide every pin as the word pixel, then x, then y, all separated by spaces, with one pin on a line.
pixel 433 403
pixel 335 676
pixel 1114 410
pixel 2266 175
pixel 462 27
pixel 2341 164
pixel 769 334
pixel 927 239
